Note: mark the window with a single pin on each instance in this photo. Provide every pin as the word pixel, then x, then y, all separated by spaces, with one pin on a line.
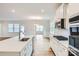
pixel 13 27
pixel 39 28
pixel 16 27
pixel 0 28
pixel 10 27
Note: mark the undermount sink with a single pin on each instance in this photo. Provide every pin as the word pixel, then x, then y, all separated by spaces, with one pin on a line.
pixel 24 39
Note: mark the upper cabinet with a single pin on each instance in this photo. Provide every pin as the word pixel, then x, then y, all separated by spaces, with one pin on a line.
pixel 61 13
pixel 73 10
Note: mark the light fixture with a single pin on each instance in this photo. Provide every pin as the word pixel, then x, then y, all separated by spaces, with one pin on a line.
pixel 13 10
pixel 35 17
pixel 42 10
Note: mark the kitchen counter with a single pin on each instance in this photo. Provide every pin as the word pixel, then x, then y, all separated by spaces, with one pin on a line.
pixel 62 42
pixel 60 47
pixel 13 44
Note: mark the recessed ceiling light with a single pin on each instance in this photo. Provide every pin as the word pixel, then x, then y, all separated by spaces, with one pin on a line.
pixel 35 17
pixel 42 10
pixel 13 10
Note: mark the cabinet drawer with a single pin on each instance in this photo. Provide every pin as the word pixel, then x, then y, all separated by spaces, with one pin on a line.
pixel 63 51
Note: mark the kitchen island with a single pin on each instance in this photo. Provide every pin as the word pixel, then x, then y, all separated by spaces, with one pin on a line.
pixel 15 47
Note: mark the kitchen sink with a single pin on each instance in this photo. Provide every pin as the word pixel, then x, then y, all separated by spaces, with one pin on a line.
pixel 24 39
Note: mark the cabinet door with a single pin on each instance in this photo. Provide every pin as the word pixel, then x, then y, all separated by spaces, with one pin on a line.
pixel 22 53
pixel 63 51
pixel 27 50
pixel 54 46
pixel 58 48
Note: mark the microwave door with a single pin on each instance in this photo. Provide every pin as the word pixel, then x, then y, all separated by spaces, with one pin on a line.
pixel 73 30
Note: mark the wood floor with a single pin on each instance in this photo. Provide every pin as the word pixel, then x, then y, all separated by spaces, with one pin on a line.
pixel 41 47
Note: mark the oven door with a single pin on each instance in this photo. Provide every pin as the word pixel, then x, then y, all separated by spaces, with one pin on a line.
pixel 74 45
pixel 71 41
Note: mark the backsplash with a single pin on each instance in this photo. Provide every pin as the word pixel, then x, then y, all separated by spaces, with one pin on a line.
pixel 61 32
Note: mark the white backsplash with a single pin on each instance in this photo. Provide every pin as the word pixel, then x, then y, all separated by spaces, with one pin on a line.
pixel 61 32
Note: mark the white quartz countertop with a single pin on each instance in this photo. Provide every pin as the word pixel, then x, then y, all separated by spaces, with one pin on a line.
pixel 63 43
pixel 13 44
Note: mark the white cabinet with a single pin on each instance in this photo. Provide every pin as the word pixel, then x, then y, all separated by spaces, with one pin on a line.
pixel 58 48
pixel 27 50
pixel 72 9
pixel 63 51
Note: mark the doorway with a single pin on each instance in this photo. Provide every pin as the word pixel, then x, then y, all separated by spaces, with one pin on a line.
pixel 39 29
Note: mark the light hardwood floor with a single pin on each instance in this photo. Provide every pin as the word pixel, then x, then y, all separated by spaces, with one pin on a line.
pixel 42 47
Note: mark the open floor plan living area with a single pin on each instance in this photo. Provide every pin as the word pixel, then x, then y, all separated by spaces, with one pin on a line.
pixel 39 29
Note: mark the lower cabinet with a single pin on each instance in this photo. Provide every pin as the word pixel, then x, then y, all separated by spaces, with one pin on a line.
pixel 58 48
pixel 63 51
pixel 27 50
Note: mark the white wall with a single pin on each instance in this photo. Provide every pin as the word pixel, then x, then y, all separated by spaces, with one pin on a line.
pixel 28 24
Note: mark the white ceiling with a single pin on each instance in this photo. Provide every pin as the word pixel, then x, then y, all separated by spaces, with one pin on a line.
pixel 21 11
